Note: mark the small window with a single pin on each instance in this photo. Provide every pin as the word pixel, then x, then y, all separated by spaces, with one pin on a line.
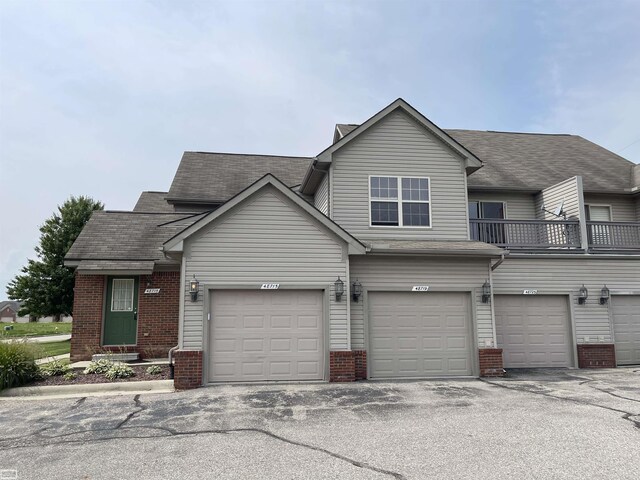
pixel 407 206
pixel 122 295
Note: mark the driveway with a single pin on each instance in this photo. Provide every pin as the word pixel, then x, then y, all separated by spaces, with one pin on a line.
pixel 535 424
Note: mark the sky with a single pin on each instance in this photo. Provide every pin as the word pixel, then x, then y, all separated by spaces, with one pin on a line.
pixel 100 98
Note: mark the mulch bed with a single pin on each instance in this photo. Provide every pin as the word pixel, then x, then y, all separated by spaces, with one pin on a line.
pixel 140 375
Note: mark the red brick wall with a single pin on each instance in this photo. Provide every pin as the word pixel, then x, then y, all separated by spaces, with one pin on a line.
pixel 158 314
pixel 86 328
pixel 7 312
pixel 360 359
pixel 597 356
pixel 491 362
pixel 187 369
pixel 342 367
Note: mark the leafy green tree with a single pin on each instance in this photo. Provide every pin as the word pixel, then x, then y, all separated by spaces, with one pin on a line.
pixel 45 285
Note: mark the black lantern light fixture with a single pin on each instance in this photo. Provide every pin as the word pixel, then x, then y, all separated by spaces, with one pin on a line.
pixel 604 295
pixel 194 287
pixel 583 294
pixel 339 287
pixel 356 290
pixel 486 292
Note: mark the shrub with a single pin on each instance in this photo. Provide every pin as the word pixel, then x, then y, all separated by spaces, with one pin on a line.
pixel 17 364
pixel 154 370
pixel 100 366
pixel 69 375
pixel 54 369
pixel 119 370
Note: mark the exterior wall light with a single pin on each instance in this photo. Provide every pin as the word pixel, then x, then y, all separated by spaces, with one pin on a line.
pixel 194 287
pixel 583 295
pixel 486 292
pixel 356 290
pixel 339 287
pixel 604 295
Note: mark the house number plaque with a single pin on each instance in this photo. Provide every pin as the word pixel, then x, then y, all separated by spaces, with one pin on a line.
pixel 270 286
pixel 420 288
pixel 152 291
pixel 530 292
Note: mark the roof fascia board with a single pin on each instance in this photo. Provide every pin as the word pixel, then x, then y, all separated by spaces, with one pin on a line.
pixel 176 243
pixel 470 159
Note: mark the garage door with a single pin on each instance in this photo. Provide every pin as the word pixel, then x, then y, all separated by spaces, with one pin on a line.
pixel 533 330
pixel 261 335
pixel 419 334
pixel 626 328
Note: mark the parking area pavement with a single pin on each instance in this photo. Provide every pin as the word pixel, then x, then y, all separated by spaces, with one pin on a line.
pixel 532 424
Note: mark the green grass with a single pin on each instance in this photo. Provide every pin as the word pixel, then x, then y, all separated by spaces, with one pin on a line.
pixel 53 348
pixel 35 329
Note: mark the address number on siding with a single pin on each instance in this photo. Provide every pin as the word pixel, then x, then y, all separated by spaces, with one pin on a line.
pixel 270 286
pixel 530 292
pixel 420 288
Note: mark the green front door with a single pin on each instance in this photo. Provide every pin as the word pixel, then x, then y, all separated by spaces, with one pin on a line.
pixel 121 312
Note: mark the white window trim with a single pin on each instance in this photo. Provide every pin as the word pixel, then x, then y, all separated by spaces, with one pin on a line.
pixel 133 293
pixel 589 205
pixel 399 202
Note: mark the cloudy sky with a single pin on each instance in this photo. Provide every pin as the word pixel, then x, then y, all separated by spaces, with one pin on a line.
pixel 101 98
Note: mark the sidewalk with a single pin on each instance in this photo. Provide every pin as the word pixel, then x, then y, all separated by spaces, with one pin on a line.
pixel 43 339
pixel 42 361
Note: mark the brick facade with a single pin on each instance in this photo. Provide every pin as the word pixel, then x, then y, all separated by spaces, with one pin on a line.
pixel 491 362
pixel 8 312
pixel 342 367
pixel 360 359
pixel 157 316
pixel 597 356
pixel 187 369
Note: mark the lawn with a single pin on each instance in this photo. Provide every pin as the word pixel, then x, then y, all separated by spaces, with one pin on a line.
pixel 53 348
pixel 35 329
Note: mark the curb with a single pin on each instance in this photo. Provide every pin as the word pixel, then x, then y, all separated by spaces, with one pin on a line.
pixel 87 390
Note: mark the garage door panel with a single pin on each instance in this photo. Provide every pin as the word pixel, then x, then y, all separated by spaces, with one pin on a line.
pixel 533 331
pixel 417 335
pixel 266 335
pixel 625 310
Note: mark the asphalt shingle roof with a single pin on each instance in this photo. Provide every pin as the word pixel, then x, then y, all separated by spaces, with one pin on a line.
pixel 153 202
pixel 533 161
pixel 126 237
pixel 13 304
pixel 219 176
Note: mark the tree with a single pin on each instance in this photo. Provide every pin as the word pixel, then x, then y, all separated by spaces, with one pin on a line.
pixel 45 285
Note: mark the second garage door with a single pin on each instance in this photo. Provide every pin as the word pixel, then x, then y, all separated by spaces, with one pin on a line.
pixel 626 328
pixel 419 334
pixel 262 335
pixel 533 330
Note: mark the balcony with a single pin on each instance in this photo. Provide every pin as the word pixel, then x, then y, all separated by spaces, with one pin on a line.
pixel 613 236
pixel 553 236
pixel 528 235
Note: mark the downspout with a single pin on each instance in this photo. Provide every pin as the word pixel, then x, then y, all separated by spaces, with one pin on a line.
pixel 171 366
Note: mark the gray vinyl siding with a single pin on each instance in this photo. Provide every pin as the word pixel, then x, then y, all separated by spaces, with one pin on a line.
pixel 520 206
pixel 321 198
pixel 268 239
pixel 552 197
pixel 381 272
pixel 561 276
pixel 623 208
pixel 398 146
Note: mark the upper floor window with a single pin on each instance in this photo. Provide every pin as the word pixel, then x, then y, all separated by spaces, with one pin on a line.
pixel 400 201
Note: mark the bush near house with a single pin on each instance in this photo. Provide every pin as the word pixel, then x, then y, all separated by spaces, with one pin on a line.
pixel 17 364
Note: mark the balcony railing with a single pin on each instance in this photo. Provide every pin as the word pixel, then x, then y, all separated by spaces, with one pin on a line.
pixel 528 234
pixel 613 235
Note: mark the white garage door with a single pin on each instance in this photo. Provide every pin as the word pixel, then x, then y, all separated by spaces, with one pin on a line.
pixel 533 330
pixel 626 328
pixel 419 334
pixel 259 335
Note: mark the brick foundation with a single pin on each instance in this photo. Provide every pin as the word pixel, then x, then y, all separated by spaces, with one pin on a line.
pixel 157 316
pixel 342 367
pixel 360 360
pixel 597 356
pixel 188 369
pixel 491 362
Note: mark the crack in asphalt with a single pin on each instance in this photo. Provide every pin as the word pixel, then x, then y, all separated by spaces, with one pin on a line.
pixel 47 439
pixel 625 415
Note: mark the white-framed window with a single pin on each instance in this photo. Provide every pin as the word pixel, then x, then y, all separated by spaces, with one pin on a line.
pixel 122 294
pixel 399 201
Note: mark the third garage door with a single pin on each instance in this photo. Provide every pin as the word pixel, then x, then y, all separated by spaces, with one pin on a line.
pixel 534 330
pixel 626 328
pixel 419 334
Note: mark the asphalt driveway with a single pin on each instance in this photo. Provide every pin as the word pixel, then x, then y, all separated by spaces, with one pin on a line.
pixel 541 424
